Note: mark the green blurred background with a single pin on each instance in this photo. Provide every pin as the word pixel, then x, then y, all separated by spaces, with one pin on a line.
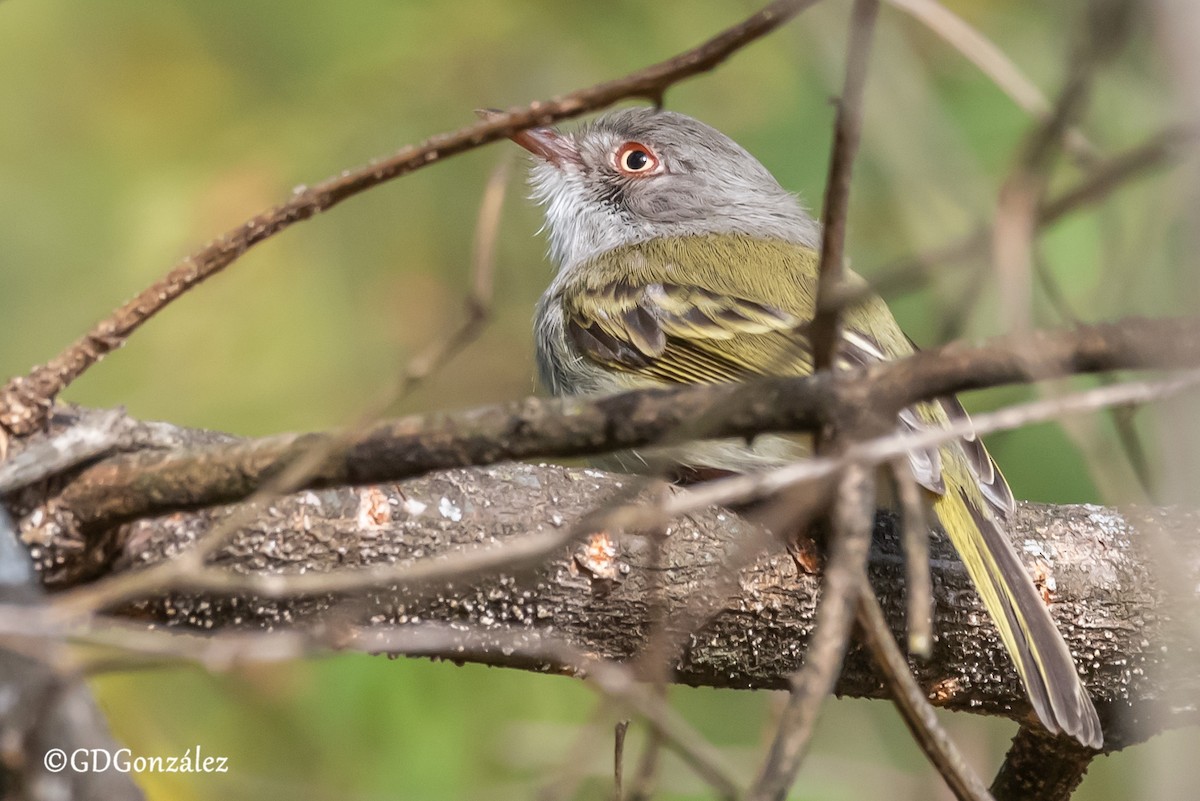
pixel 134 132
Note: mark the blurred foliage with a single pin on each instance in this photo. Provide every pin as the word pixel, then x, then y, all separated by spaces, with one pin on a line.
pixel 134 132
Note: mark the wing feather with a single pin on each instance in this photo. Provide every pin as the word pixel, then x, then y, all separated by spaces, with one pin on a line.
pixel 667 331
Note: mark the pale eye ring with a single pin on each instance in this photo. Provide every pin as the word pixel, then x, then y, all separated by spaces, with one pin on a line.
pixel 634 158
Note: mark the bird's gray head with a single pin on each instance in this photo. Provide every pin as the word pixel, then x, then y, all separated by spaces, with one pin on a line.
pixel 643 173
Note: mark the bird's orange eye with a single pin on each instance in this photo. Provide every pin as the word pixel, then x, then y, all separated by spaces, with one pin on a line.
pixel 634 158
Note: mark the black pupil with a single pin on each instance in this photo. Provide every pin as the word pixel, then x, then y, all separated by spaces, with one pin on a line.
pixel 636 160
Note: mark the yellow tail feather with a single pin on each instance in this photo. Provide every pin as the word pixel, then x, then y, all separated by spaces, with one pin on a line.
pixel 1043 662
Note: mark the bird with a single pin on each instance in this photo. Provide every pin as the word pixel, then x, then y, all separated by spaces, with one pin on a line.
pixel 682 260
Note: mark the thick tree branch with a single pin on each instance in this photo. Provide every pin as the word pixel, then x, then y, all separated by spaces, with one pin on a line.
pixel 1111 603
pixel 1130 623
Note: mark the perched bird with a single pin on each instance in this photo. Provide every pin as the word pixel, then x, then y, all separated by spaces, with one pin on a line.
pixel 681 260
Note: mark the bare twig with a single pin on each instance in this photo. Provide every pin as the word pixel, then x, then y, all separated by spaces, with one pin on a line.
pixel 913 705
pixel 25 400
pixel 1023 193
pixel 853 515
pixel 1020 198
pixel 614 681
pixel 1129 439
pixel 847 131
pixel 1159 149
pixel 619 733
pixel 642 786
pixel 1105 178
pixel 917 588
pixel 751 486
pixel 579 756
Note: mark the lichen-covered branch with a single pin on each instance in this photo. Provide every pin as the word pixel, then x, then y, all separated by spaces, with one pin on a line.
pixel 1130 623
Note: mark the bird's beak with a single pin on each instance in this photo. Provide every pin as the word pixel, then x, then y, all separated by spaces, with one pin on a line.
pixel 545 143
pixel 548 144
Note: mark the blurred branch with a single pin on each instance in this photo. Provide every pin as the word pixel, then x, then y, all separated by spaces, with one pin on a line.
pixel 1021 196
pixel 851 519
pixel 44 709
pixel 1107 176
pixel 478 307
pixel 126 487
pixel 1100 182
pixel 995 64
pixel 25 401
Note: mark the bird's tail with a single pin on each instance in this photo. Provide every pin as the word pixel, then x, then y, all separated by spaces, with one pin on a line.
pixel 1043 661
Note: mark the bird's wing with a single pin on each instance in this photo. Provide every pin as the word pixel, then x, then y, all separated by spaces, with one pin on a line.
pixel 684 334
pixel 681 334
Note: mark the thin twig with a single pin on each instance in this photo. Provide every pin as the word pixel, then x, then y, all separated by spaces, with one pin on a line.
pixel 1104 179
pixel 25 400
pixel 1105 31
pixel 853 516
pixel 918 587
pixel 644 780
pixel 1022 194
pixel 847 131
pixel 615 681
pixel 619 732
pixel 579 757
pixel 1128 438
pixel 912 703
